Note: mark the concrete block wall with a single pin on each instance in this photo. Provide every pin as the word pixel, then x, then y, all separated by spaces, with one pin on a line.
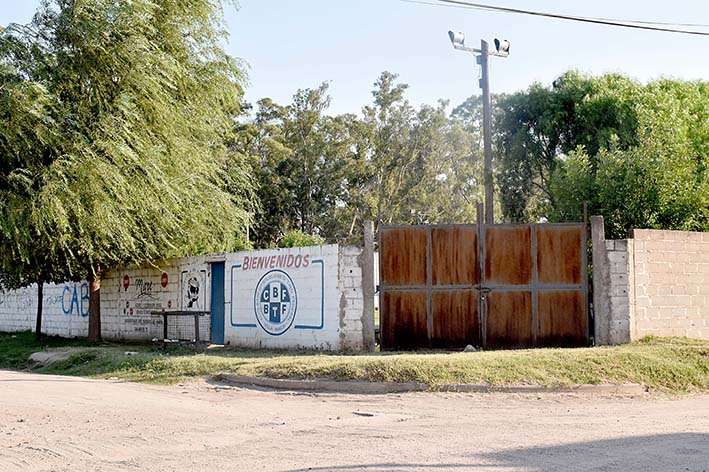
pixel 612 286
pixel 127 298
pixel 656 283
pixel 308 297
pixel 129 295
pixel 672 284
pixel 65 309
pixel 619 264
pixel 318 297
pixel 351 323
pixel 358 279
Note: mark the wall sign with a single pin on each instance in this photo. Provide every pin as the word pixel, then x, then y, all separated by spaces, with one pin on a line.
pixel 277 296
pixel 275 302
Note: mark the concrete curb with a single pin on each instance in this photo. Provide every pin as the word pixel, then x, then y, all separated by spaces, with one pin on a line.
pixel 600 389
pixel 392 387
pixel 324 385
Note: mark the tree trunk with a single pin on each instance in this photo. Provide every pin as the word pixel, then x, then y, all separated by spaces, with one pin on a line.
pixel 38 321
pixel 95 308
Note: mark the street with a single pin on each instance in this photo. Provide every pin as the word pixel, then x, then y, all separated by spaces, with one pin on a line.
pixel 50 423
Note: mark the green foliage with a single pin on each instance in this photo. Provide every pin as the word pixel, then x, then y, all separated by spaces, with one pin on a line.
pixel 299 157
pixel 424 166
pixel 660 182
pixel 297 238
pixel 28 127
pixel 536 128
pixel 116 154
pixel 327 175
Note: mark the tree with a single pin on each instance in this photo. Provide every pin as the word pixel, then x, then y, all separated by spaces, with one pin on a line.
pixel 661 182
pixel 297 238
pixel 536 128
pixel 144 97
pixel 27 131
pixel 422 167
pixel 299 157
pixel 325 175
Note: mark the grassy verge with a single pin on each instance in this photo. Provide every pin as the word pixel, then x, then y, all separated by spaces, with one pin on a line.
pixel 671 364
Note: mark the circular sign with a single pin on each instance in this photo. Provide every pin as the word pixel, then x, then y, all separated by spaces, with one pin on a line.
pixel 275 302
pixel 163 280
pixel 126 282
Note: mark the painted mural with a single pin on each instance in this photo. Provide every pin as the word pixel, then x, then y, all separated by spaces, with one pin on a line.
pixel 139 296
pixel 193 290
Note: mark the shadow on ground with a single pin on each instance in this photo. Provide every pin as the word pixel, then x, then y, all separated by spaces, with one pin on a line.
pixel 680 452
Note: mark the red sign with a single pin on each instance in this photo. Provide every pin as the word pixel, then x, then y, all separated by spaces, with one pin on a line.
pixel 163 280
pixel 126 282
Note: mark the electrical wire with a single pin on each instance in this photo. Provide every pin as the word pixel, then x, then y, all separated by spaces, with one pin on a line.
pixel 635 24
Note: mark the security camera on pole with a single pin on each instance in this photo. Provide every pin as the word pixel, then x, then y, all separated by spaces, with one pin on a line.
pixel 502 49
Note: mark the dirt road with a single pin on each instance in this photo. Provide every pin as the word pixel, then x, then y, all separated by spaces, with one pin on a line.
pixel 52 423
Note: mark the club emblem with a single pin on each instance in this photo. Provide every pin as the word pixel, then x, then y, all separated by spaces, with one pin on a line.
pixel 275 302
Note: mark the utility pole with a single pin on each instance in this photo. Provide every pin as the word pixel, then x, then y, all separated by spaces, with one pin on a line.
pixel 482 57
pixel 487 132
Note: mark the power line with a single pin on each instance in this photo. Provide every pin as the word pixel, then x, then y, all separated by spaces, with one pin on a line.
pixel 635 24
pixel 640 22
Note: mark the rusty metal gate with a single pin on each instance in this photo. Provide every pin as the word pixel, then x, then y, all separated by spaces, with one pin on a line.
pixel 496 286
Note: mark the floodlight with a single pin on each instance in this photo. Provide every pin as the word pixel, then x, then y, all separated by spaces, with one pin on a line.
pixel 457 39
pixel 503 47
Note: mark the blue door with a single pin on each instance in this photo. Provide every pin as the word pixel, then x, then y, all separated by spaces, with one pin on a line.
pixel 217 325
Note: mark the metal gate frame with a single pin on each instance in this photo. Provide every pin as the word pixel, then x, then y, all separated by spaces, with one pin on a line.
pixel 484 288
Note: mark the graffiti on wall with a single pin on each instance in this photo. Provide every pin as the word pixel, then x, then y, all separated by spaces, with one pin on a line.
pixel 72 298
pixel 75 299
pixel 20 299
pixel 140 296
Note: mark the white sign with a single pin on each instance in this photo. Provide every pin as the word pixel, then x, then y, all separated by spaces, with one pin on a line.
pixel 282 298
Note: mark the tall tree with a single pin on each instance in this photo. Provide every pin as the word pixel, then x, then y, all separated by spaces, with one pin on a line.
pixel 422 166
pixel 325 175
pixel 27 130
pixel 144 97
pixel 662 182
pixel 299 156
pixel 535 128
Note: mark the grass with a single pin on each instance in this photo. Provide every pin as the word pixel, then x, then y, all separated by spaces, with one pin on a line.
pixel 669 364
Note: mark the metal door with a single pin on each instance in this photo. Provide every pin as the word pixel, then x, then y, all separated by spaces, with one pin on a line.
pixel 534 286
pixel 497 286
pixel 217 303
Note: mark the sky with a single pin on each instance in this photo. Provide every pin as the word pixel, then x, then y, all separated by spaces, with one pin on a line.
pixel 294 44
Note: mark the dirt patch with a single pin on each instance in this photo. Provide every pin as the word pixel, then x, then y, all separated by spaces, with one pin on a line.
pixel 62 424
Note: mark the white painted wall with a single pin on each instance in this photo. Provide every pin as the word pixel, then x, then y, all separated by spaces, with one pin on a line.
pixel 129 295
pixel 306 282
pixel 65 309
pixel 319 302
